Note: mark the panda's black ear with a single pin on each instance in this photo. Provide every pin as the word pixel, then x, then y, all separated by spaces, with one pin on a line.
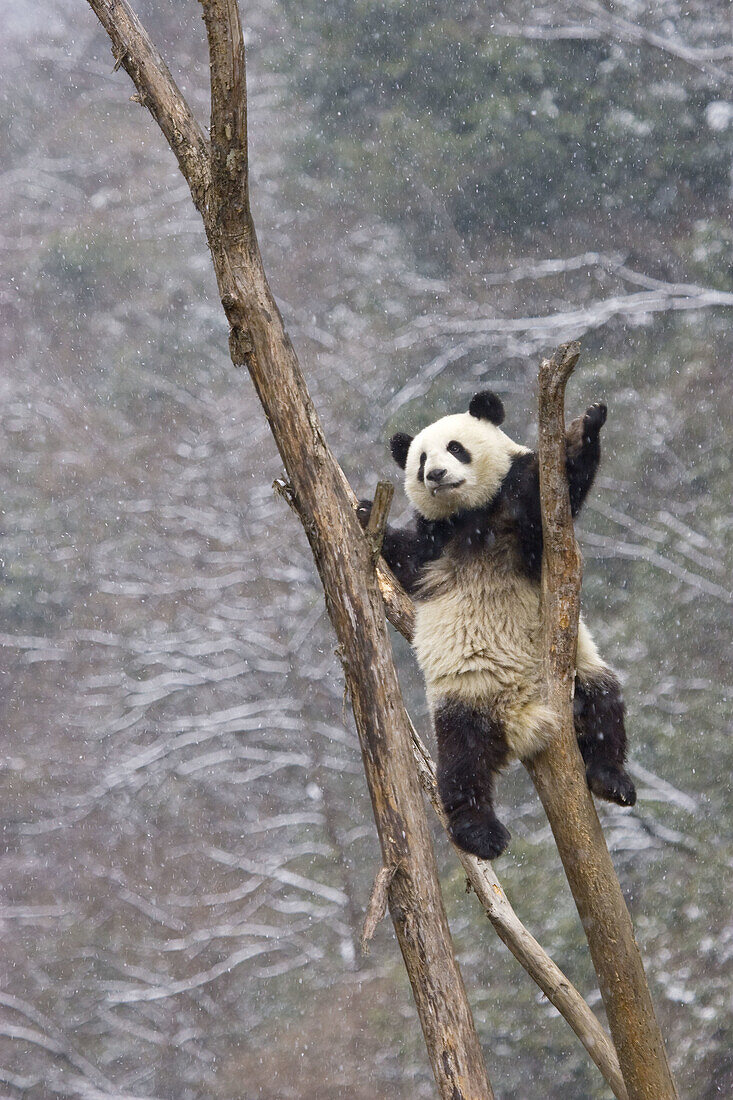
pixel 487 406
pixel 399 445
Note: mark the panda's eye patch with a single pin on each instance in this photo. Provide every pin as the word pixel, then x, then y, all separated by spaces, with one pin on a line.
pixel 421 467
pixel 459 451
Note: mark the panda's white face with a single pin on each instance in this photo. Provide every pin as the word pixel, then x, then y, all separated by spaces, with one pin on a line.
pixel 458 462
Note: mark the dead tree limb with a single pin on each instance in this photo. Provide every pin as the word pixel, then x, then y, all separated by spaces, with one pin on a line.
pixel 377 525
pixel 559 776
pixel 217 176
pixel 325 503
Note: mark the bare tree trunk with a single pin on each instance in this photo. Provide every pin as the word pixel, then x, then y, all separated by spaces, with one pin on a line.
pixel 218 178
pixel 219 185
pixel 559 776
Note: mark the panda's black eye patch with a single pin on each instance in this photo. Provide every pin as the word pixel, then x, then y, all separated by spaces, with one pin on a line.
pixel 459 451
pixel 421 467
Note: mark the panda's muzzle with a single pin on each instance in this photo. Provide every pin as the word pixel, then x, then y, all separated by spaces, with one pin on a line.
pixel 435 480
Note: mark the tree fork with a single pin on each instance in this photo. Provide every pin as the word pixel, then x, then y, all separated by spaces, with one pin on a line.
pixel 217 176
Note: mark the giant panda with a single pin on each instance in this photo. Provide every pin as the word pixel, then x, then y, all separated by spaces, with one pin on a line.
pixel 472 562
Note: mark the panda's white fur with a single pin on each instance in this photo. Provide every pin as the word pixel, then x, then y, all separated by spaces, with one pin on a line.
pixel 477 623
pixel 491 450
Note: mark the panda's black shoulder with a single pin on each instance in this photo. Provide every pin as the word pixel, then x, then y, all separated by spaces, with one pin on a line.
pixel 520 478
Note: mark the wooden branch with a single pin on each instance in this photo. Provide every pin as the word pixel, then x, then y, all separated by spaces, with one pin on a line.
pixel 158 91
pixel 377 525
pixel 326 506
pixel 398 606
pixel 229 162
pixel 525 948
pixel 559 776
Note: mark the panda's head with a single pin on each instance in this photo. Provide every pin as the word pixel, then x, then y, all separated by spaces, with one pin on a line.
pixel 459 462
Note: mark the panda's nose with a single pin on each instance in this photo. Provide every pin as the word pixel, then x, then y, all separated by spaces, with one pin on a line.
pixel 436 476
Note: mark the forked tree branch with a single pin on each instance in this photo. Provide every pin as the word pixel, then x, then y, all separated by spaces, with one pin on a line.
pixel 326 506
pixel 325 503
pixel 559 776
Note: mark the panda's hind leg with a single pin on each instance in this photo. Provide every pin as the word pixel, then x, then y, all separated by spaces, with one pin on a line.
pixel 472 747
pixel 599 725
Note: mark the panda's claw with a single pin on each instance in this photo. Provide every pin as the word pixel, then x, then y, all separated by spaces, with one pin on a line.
pixel 594 419
pixel 613 784
pixel 479 833
pixel 364 511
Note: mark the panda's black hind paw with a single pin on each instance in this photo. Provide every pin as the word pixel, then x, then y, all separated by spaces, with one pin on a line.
pixel 613 784
pixel 479 833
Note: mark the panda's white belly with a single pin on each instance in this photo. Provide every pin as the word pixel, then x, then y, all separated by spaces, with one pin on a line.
pixel 482 621
pixel 477 637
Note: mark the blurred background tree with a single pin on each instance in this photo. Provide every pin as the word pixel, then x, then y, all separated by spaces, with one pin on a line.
pixel 505 126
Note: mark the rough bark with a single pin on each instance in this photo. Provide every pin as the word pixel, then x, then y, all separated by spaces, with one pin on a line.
pixel 559 776
pixel 325 503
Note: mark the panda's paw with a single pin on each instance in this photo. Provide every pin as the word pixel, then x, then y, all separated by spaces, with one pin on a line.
pixel 479 832
pixel 594 419
pixel 363 512
pixel 611 783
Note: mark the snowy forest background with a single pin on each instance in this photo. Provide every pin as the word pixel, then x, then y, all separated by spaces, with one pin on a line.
pixel 442 191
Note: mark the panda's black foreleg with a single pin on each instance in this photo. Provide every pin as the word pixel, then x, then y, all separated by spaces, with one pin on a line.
pixel 599 725
pixel 583 450
pixel 401 549
pixel 406 551
pixel 472 748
